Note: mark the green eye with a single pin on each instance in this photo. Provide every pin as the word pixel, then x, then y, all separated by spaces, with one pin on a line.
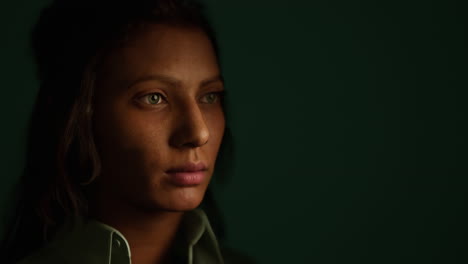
pixel 154 98
pixel 210 98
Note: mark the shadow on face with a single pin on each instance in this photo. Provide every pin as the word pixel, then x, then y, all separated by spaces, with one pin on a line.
pixel 158 119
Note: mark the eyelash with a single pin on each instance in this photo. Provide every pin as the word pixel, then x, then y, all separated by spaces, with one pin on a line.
pixel 219 94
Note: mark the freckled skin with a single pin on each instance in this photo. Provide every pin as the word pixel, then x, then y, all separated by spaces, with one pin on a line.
pixel 138 141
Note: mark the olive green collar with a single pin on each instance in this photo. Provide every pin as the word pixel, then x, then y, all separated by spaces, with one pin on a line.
pixel 92 242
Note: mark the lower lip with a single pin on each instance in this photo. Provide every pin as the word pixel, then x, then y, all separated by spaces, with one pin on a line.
pixel 186 178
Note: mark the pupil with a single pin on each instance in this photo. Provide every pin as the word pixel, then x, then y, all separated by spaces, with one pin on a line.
pixel 154 98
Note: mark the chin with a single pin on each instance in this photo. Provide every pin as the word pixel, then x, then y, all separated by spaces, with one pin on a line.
pixel 179 200
pixel 188 199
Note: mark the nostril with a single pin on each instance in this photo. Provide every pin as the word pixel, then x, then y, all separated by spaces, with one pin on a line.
pixel 190 137
pixel 196 141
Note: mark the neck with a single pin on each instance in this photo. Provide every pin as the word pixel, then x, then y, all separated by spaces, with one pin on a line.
pixel 150 233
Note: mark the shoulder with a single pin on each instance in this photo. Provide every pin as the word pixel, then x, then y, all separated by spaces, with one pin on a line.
pixel 46 255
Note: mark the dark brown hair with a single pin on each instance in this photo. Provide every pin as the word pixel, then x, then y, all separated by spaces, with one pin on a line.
pixel 69 41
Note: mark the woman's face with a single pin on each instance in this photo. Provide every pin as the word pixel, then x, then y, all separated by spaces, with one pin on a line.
pixel 158 119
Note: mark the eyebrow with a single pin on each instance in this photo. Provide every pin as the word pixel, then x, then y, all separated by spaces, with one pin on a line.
pixel 173 82
pixel 217 78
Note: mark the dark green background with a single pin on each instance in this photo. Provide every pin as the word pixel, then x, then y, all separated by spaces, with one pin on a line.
pixel 348 120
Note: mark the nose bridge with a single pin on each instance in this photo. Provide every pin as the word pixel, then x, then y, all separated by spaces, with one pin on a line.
pixel 190 129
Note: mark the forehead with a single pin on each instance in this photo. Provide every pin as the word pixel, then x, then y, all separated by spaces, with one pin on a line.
pixel 184 53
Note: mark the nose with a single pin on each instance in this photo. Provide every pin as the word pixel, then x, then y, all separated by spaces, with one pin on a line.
pixel 190 130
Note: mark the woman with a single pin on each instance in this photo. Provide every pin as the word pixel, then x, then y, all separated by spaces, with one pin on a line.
pixel 124 137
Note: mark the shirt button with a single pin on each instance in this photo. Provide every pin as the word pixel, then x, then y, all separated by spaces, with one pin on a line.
pixel 117 243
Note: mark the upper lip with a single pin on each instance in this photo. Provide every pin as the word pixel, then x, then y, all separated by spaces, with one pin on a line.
pixel 189 167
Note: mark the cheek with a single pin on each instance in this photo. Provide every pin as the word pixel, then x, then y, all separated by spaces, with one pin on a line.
pixel 129 142
pixel 216 123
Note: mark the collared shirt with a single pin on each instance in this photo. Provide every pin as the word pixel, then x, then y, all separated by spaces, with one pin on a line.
pixel 92 242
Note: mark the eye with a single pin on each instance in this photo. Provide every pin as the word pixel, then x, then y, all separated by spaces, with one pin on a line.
pixel 211 98
pixel 153 99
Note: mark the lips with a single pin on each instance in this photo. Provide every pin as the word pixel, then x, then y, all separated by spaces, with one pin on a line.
pixel 189 174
